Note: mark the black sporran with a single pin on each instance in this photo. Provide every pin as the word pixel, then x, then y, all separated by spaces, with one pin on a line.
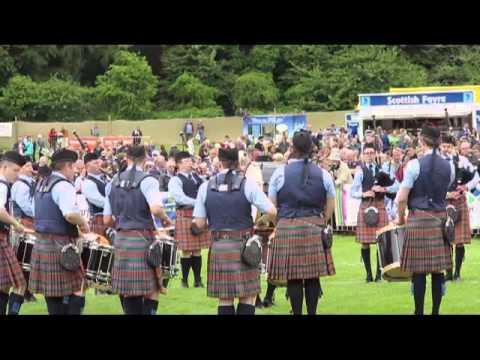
pixel 196 231
pixel 371 216
pixel 453 213
pixel 70 258
pixel 448 229
pixel 251 252
pixel 155 254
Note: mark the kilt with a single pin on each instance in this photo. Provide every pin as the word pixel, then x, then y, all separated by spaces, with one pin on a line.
pixel 47 276
pixel 183 234
pixel 131 275
pixel 463 232
pixel 366 234
pixel 297 251
pixel 11 273
pixel 96 224
pixel 424 250
pixel 228 276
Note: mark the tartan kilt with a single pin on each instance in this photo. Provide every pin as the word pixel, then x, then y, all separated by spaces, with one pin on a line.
pixel 367 234
pixel 297 251
pixel 463 232
pixel 228 276
pixel 183 234
pixel 47 276
pixel 11 273
pixel 96 224
pixel 424 250
pixel 131 275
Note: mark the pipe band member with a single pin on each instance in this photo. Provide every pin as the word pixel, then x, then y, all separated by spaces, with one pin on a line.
pixel 226 200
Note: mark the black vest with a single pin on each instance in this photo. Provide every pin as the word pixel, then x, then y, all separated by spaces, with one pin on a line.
pixel 5 228
pixel 101 189
pixel 228 210
pixel 190 187
pixel 368 178
pixel 294 200
pixel 430 188
pixel 129 206
pixel 48 216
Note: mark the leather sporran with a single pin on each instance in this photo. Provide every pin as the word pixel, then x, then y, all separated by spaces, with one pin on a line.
pixel 371 216
pixel 448 229
pixel 453 213
pixel 196 231
pixel 155 254
pixel 251 253
pixel 327 237
pixel 70 258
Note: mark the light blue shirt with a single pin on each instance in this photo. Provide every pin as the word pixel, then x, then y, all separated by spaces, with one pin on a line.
pixel 20 193
pixel 90 190
pixel 278 180
pixel 64 196
pixel 412 171
pixel 3 193
pixel 252 192
pixel 150 188
pixel 175 188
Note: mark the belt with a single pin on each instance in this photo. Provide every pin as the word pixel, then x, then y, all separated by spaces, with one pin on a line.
pixel 184 207
pixel 217 235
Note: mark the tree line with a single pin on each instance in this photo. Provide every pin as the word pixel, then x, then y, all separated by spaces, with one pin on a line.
pixel 98 82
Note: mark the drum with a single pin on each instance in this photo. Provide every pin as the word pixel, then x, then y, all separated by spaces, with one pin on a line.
pixel 390 241
pixel 24 248
pixel 97 261
pixel 169 257
pixel 266 254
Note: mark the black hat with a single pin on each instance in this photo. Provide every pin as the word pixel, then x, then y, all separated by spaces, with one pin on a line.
pixel 448 139
pixel 179 156
pixel 14 157
pixel 228 154
pixel 89 157
pixel 136 152
pixel 302 141
pixel 430 132
pixel 64 155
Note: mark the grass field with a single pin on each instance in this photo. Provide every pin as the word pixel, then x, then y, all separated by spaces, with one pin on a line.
pixel 345 293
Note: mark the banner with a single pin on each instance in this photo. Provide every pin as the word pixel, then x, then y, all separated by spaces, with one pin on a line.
pixel 416 99
pixel 6 129
pixel 91 141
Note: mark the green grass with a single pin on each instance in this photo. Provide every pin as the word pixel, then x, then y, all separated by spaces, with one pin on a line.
pixel 344 293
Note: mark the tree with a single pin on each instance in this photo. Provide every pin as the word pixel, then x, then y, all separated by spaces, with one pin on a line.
pixel 128 87
pixel 188 91
pixel 255 90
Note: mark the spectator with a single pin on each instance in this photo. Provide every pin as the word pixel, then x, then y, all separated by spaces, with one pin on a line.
pixel 188 130
pixel 28 147
pixel 201 132
pixel 52 139
pixel 163 151
pixel 137 136
pixel 95 131
pixel 191 146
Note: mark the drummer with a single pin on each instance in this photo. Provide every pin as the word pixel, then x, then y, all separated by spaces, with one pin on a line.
pixel 131 199
pixel 456 196
pixel 423 190
pixel 11 274
pixel 184 189
pixel 305 195
pixel 22 194
pixel 57 221
pixel 93 189
pixel 371 195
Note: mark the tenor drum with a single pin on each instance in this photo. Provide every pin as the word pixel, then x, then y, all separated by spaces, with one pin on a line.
pixel 390 240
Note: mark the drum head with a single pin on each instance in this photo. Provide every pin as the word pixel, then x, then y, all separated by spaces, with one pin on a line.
pixel 393 272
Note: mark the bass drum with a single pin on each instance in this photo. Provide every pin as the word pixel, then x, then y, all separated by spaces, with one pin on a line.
pixel 390 241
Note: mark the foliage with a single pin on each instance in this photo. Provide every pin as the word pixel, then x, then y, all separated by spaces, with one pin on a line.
pixel 255 90
pixel 188 91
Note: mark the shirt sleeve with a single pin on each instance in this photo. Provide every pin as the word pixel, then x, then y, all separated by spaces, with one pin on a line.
pixel 276 182
pixel 175 188
pixel 64 195
pixel 412 171
pixel 3 196
pixel 150 188
pixel 356 189
pixel 329 184
pixel 107 209
pixel 92 194
pixel 200 210
pixel 21 195
pixel 256 196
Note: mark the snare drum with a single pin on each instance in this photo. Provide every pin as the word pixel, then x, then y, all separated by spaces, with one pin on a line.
pixel 169 256
pixel 390 241
pixel 98 263
pixel 24 251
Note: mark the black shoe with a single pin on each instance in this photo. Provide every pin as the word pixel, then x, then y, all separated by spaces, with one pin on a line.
pixel 268 303
pixel 378 277
pixel 258 303
pixel 198 284
pixel 184 283
pixel 448 276
pixel 456 277
pixel 369 278
pixel 29 297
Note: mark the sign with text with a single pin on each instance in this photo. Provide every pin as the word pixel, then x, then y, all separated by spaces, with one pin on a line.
pixel 440 98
